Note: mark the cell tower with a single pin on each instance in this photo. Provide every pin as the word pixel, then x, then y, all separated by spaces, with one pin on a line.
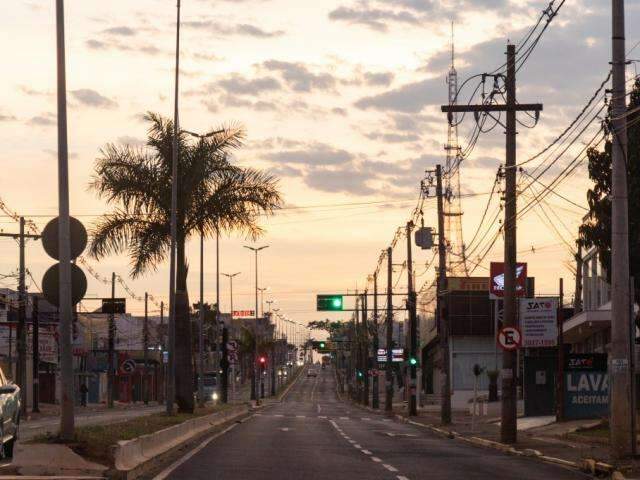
pixel 457 261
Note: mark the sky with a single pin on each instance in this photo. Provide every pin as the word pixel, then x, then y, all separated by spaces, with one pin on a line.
pixel 340 99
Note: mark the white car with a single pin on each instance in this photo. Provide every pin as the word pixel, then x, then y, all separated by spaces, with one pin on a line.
pixel 312 373
pixel 9 414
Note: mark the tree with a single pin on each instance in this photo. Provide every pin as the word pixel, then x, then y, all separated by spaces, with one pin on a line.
pixel 596 231
pixel 213 195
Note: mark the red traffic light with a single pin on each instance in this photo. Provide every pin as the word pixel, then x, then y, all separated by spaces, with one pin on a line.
pixel 263 360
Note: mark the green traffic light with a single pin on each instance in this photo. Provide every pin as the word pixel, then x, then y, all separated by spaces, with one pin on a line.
pixel 413 361
pixel 321 344
pixel 337 302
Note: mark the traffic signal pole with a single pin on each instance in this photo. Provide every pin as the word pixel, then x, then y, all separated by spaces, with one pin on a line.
pixel 413 327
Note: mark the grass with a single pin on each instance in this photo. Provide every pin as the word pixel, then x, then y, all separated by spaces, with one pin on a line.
pixel 94 442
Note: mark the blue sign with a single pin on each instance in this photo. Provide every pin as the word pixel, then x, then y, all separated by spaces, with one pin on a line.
pixel 586 394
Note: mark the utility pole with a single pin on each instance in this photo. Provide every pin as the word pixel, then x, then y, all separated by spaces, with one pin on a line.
pixel 619 372
pixel 508 426
pixel 365 351
pixel 443 324
pixel 201 327
pixel 112 333
pixel 164 346
pixel 145 346
pixel 35 319
pixel 356 320
pixel 413 327
pixel 388 401
pixel 561 378
pixel 21 333
pixel 375 400
pixel 224 365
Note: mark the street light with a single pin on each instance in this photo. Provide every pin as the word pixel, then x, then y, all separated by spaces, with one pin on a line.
pixel 230 277
pixel 262 290
pixel 256 250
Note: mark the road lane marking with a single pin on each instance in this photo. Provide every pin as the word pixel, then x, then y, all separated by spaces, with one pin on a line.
pixel 366 452
pixel 376 459
pixel 324 417
pixel 366 418
pixel 389 467
pixel 278 415
pixel 344 418
pixel 319 409
pixel 166 472
pixel 359 447
pixel 300 416
pixel 402 477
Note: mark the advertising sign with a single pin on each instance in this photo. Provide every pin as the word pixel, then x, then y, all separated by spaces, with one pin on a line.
pixel 243 313
pixel 539 322
pixel 497 279
pixel 397 355
pixel 467 284
pixel 586 386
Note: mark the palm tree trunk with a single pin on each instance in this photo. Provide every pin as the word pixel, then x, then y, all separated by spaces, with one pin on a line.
pixel 184 367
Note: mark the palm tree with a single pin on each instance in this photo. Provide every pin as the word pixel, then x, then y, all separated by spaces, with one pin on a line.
pixel 213 195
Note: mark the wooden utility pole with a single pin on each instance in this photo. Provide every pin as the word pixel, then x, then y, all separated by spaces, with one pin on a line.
pixel 35 319
pixel 388 401
pixel 356 321
pixel 443 324
pixel 365 351
pixel 508 426
pixel 619 372
pixel 375 397
pixel 413 327
pixel 112 334
pixel 145 353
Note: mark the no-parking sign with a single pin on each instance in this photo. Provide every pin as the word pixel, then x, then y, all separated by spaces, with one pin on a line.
pixel 509 338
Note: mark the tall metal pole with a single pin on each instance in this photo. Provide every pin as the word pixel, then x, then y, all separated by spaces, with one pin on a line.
pixel 388 401
pixel 201 327
pixel 413 327
pixel 111 335
pixel 619 372
pixel 145 353
pixel 35 318
pixel 171 370
pixel 443 324
pixel 561 374
pixel 21 335
pixel 508 426
pixel 64 241
pixel 218 308
pixel 365 351
pixel 375 399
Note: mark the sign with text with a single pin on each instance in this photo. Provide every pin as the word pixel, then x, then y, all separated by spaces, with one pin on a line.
pixel 539 322
pixel 397 355
pixel 497 279
pixel 243 313
pixel 509 338
pixel 586 386
pixel 467 284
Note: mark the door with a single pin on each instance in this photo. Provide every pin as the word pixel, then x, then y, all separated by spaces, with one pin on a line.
pixel 539 386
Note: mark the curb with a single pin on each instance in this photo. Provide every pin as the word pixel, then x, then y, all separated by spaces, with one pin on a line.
pixel 284 393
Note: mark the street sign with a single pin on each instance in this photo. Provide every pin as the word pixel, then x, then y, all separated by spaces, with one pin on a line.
pixel 78 237
pixel 116 305
pixel 51 284
pixel 509 338
pixel 539 322
pixel 497 279
pixel 397 355
pixel 329 303
pixel 424 238
pixel 128 366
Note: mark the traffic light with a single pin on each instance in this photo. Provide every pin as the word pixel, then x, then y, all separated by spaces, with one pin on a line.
pixel 263 360
pixel 330 303
pixel 360 374
pixel 322 345
pixel 413 361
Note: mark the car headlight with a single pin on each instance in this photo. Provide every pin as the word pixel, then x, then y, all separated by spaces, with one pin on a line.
pixel 214 396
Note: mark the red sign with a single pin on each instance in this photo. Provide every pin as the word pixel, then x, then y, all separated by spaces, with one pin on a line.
pixel 509 338
pixel 496 288
pixel 243 313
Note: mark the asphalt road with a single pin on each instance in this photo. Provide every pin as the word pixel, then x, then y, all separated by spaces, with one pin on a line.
pixel 311 435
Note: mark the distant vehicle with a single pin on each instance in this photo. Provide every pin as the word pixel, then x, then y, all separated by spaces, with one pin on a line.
pixel 210 387
pixel 323 366
pixel 10 413
pixel 312 373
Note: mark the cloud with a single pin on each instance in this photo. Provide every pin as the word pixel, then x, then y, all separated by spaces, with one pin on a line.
pixel 241 29
pixel 91 98
pixel 393 137
pixel 381 78
pixel 240 85
pixel 409 98
pixel 315 154
pixel 116 44
pixel 298 76
pixel 47 119
pixel 374 18
pixel 4 117
pixel 132 141
pixel 121 31
pixel 347 179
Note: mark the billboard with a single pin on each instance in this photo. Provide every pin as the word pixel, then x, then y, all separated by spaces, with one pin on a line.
pixel 467 284
pixel 243 313
pixel 496 287
pixel 539 322
pixel 397 355
pixel 586 386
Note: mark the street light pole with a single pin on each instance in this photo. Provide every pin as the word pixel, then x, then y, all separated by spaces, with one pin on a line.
pixel 201 328
pixel 262 290
pixel 230 277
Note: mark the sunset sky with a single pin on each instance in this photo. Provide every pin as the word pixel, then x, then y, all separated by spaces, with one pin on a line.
pixel 340 99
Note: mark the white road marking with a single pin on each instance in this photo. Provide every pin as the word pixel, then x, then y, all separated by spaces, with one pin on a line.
pixel 366 452
pixel 389 467
pixel 344 418
pixel 300 416
pixel 366 418
pixel 166 472
pixel 323 417
pixel 319 409
pixel 279 415
pixel 376 459
pixel 351 441
pixel 359 447
pixel 402 477
pixel 285 429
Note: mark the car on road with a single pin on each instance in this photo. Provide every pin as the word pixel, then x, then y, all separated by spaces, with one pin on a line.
pixel 10 414
pixel 210 387
pixel 312 373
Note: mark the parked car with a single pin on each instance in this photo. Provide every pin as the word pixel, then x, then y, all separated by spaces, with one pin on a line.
pixel 10 415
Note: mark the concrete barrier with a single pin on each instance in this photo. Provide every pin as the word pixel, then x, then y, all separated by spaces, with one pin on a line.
pixel 129 454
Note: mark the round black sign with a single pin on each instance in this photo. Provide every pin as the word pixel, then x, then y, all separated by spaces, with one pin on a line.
pixel 78 238
pixel 51 284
